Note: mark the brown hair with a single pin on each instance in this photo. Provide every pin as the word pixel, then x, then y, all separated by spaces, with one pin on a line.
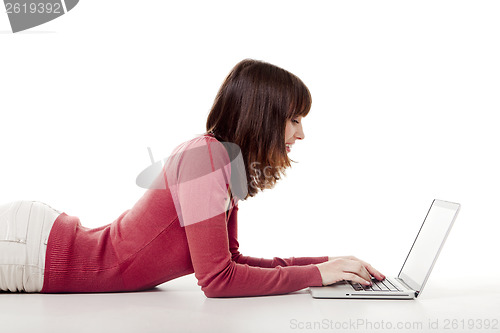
pixel 251 110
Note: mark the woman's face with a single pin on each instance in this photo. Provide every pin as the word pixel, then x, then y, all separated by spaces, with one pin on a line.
pixel 293 131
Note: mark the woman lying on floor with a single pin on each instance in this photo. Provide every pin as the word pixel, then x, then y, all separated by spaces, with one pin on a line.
pixel 187 220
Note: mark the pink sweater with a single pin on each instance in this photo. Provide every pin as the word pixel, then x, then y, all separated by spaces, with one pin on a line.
pixel 170 232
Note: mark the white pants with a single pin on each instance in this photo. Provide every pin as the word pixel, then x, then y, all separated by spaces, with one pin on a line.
pixel 24 232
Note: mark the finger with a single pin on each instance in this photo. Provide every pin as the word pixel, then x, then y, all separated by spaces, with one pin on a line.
pixel 373 271
pixel 370 269
pixel 357 268
pixel 355 278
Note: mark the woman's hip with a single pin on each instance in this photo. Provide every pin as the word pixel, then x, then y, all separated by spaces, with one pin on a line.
pixel 24 231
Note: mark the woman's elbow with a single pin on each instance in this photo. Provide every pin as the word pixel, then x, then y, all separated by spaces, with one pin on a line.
pixel 213 292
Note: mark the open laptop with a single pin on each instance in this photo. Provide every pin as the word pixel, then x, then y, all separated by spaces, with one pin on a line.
pixel 417 267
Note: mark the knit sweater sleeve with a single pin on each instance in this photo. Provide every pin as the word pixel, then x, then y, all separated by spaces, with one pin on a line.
pixel 203 202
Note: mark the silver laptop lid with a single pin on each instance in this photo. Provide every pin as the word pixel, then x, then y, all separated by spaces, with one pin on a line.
pixel 429 242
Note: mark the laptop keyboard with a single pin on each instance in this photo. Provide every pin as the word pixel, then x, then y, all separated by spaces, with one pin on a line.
pixel 384 285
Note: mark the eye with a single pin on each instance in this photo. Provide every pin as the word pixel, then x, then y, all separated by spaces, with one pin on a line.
pixel 295 121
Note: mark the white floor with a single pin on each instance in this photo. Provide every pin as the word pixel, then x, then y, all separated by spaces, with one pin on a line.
pixel 180 306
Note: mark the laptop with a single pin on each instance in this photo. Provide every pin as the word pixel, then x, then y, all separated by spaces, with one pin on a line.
pixel 416 268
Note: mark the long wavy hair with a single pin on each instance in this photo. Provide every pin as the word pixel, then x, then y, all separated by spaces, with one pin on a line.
pixel 251 110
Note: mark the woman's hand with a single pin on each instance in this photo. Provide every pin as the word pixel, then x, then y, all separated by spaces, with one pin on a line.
pixel 347 268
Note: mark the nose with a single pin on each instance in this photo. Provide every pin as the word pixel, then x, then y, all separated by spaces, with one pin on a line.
pixel 299 134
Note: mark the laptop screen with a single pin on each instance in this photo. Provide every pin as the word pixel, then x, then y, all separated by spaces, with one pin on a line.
pixel 428 244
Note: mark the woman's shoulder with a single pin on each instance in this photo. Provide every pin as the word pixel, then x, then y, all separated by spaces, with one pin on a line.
pixel 205 141
pixel 202 149
pixel 204 154
pixel 199 140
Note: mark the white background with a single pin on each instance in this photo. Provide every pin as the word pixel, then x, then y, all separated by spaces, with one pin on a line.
pixel 405 103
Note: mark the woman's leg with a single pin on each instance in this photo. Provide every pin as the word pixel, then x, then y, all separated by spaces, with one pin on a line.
pixel 24 231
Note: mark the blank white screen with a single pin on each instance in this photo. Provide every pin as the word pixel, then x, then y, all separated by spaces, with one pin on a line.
pixel 431 236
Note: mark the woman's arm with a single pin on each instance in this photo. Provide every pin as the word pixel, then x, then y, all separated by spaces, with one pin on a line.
pixel 202 202
pixel 220 276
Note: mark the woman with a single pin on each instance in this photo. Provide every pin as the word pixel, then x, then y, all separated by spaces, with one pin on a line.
pixel 187 220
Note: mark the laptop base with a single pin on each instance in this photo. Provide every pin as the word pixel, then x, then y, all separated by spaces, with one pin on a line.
pixel 344 290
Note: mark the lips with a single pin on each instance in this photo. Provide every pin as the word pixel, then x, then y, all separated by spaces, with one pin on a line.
pixel 288 146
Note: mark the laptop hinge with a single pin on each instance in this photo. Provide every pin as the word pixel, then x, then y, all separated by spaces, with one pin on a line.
pixel 407 286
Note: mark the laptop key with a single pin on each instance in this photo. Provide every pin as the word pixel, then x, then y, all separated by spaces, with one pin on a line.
pixel 367 288
pixel 379 285
pixel 375 286
pixel 390 285
pixel 383 286
pixel 356 286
